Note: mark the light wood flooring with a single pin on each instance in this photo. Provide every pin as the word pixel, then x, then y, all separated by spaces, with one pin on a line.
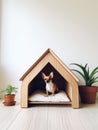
pixel 49 117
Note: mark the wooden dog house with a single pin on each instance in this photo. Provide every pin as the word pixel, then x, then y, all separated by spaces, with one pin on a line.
pixel 32 81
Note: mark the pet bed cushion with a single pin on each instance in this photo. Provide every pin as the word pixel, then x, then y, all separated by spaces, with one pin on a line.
pixel 40 96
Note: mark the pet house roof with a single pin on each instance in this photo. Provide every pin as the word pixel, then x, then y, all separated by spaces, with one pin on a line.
pixel 50 57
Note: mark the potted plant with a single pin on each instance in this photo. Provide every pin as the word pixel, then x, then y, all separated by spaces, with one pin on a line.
pixel 87 91
pixel 9 97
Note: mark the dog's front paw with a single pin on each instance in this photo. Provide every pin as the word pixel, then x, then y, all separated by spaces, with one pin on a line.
pixel 46 95
pixel 53 94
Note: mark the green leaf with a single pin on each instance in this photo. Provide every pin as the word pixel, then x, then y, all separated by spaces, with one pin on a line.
pixel 9 90
pixel 88 77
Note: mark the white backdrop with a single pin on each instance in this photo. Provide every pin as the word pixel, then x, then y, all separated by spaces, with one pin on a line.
pixel 29 27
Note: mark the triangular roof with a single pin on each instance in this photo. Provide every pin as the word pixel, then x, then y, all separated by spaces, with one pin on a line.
pixel 54 58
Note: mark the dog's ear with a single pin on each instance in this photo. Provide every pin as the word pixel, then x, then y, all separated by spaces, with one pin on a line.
pixel 43 75
pixel 51 75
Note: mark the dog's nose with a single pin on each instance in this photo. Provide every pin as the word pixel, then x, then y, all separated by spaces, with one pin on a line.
pixel 48 81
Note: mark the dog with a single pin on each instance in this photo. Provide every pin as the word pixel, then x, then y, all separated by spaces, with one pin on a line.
pixel 50 86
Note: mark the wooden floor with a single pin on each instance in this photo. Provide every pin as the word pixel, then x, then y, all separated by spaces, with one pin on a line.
pixel 49 117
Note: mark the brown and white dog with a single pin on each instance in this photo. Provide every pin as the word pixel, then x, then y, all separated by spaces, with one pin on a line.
pixel 50 86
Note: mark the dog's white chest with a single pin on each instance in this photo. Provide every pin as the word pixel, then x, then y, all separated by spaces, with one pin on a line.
pixel 49 87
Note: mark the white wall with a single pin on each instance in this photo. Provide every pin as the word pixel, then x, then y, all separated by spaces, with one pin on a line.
pixel 29 27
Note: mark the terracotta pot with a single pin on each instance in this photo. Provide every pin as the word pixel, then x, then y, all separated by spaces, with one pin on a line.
pixel 9 100
pixel 97 89
pixel 88 94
